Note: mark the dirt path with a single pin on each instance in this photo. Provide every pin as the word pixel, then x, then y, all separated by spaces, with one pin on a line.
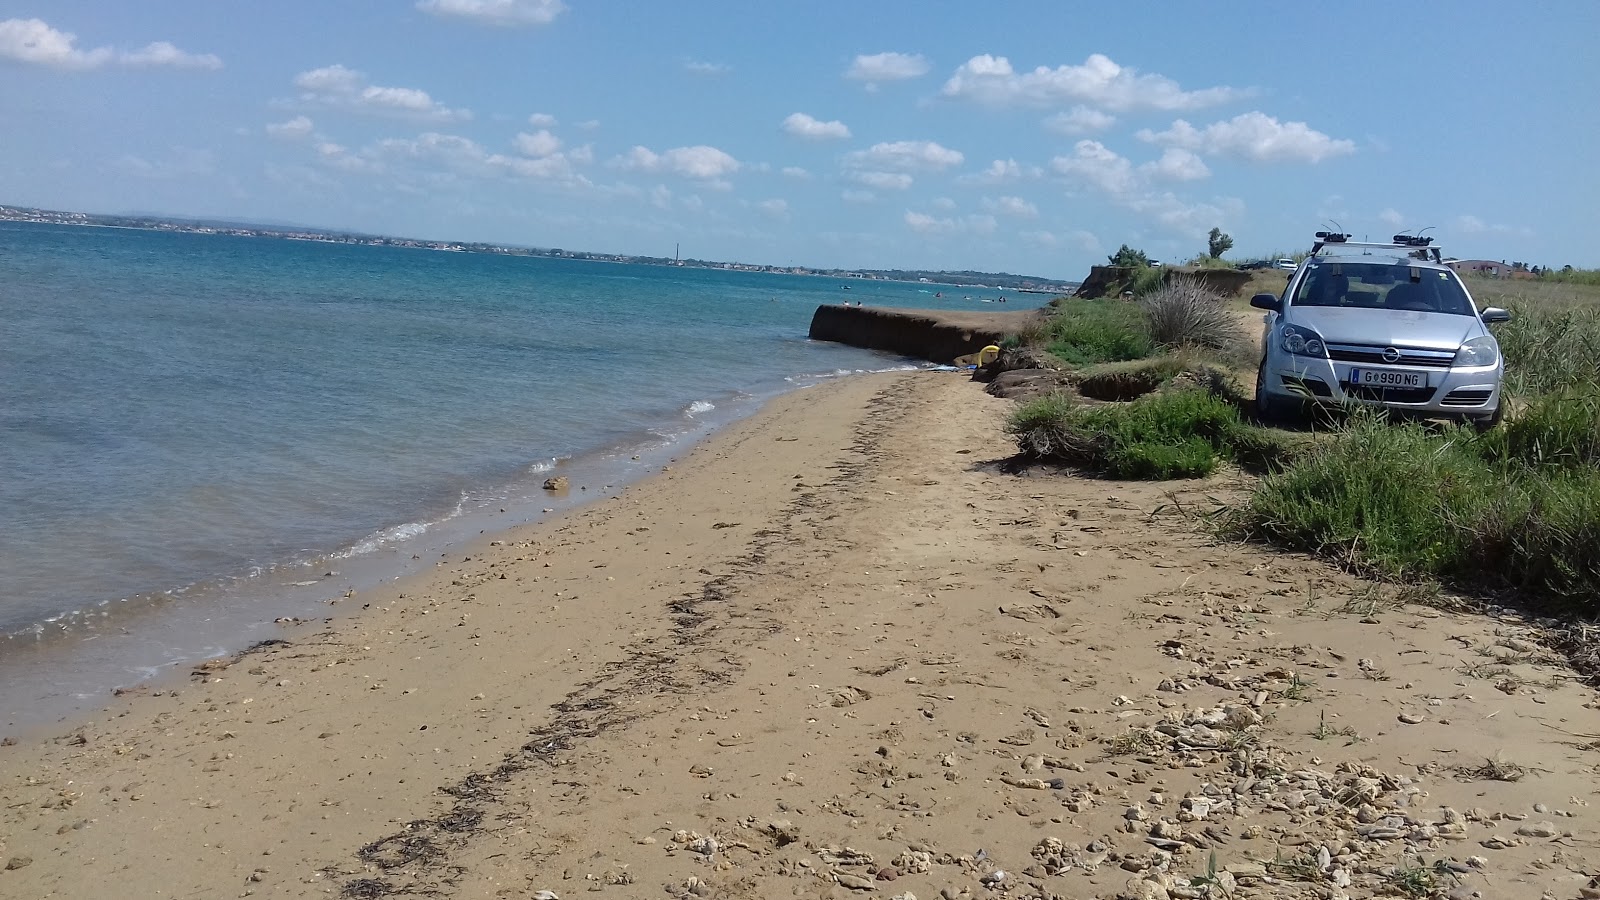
pixel 840 653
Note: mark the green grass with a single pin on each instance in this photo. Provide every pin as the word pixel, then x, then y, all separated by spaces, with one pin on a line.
pixel 1559 430
pixel 1085 332
pixel 1573 276
pixel 1550 345
pixel 1481 512
pixel 1177 434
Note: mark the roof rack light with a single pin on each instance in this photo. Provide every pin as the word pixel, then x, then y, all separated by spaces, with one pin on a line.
pixel 1332 237
pixel 1411 240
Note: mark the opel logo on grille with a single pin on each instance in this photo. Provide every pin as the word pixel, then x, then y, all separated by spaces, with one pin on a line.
pixel 1390 354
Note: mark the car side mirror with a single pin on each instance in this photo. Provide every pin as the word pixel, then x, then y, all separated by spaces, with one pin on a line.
pixel 1268 301
pixel 1493 315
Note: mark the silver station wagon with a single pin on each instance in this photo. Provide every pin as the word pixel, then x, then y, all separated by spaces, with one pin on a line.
pixel 1380 325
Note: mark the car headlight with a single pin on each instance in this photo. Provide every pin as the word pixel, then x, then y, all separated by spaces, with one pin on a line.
pixel 1480 351
pixel 1303 341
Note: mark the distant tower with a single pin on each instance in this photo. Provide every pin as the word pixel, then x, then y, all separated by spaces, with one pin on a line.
pixel 675 260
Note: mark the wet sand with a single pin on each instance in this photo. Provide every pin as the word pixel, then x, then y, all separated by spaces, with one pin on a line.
pixel 835 651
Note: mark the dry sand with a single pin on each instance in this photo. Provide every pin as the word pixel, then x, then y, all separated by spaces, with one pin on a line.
pixel 836 651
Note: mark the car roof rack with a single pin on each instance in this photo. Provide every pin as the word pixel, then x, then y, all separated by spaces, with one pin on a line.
pixel 1402 244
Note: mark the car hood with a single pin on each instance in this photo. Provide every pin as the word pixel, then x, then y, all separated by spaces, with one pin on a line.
pixel 1387 327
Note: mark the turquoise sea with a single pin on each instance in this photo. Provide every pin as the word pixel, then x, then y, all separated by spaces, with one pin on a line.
pixel 196 430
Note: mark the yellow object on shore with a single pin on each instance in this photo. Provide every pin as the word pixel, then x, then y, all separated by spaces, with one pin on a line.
pixel 988 354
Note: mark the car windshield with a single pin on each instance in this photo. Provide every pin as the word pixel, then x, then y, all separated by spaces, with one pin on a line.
pixel 1394 286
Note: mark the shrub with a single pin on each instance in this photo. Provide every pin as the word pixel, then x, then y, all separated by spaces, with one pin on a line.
pixel 1144 281
pixel 1177 434
pixel 1550 346
pixel 1084 332
pixel 1128 256
pixel 1183 312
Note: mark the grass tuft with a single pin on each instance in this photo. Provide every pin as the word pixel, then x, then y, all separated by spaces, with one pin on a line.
pixel 1185 313
pixel 1085 332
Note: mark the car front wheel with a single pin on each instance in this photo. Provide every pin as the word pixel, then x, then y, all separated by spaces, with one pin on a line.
pixel 1268 407
pixel 1488 423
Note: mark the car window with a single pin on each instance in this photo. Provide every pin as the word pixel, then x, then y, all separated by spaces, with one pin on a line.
pixel 1382 286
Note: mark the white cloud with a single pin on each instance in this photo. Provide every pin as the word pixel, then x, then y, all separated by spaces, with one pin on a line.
pixel 34 41
pixel 1177 164
pixel 1098 82
pixel 1097 165
pixel 796 172
pixel 700 162
pixel 922 223
pixel 1001 171
pixel 589 124
pixel 501 13
pixel 914 156
pixel 542 120
pixel 801 125
pixel 1080 120
pixel 1016 207
pixel 710 69
pixel 879 67
pixel 337 157
pixel 944 203
pixel 1082 240
pixel 582 155
pixel 162 53
pixel 776 208
pixel 1191 220
pixel 292 130
pixel 883 181
pixel 858 196
pixel 182 162
pixel 341 88
pixel 661 197
pixel 541 143
pixel 453 155
pixel 1253 136
pixel 1391 217
pixel 1473 225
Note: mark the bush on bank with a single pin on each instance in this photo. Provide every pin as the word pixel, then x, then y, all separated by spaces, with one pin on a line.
pixel 1178 314
pixel 1177 434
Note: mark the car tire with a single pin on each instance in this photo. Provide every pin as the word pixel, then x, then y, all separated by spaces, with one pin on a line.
pixel 1488 423
pixel 1268 407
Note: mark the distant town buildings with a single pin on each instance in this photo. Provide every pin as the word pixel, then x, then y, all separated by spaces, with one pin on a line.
pixel 145 223
pixel 1489 268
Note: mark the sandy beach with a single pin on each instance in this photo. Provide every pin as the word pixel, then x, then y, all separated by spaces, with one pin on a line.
pixel 836 650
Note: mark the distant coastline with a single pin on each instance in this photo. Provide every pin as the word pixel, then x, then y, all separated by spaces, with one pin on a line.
pixel 995 280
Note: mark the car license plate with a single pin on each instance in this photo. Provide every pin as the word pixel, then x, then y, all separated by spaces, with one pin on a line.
pixel 1388 379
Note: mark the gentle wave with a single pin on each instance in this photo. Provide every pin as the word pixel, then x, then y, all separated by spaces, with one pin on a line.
pixel 698 407
pixel 387 536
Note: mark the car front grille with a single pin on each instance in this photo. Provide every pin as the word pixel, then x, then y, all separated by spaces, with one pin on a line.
pixel 1373 355
pixel 1466 397
pixel 1389 394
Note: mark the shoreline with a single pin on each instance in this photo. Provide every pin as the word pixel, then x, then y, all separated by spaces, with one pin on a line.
pixel 833 649
pixel 67 664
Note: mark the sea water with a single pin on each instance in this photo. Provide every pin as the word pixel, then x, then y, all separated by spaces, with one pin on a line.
pixel 202 433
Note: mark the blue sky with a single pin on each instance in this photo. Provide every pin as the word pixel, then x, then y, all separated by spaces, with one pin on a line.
pixel 1032 137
